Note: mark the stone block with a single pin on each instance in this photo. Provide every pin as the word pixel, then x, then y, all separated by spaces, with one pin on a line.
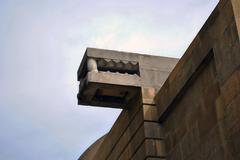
pixel 150 113
pixel 153 130
pixel 155 148
pixel 148 94
pixel 133 146
pixel 127 137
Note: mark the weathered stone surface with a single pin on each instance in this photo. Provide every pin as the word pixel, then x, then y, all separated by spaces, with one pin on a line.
pixel 202 93
pixel 112 79
pixel 191 114
pixel 150 113
pixel 92 150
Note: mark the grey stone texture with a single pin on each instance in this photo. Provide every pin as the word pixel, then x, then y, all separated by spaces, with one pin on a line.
pixel 112 78
pixel 190 111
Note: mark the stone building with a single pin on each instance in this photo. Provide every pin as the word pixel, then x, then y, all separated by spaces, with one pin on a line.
pixel 187 109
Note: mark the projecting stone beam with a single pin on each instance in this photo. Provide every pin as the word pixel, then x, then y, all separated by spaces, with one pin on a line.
pixel 112 79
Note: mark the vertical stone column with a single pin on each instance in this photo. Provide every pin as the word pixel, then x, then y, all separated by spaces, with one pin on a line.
pixel 153 145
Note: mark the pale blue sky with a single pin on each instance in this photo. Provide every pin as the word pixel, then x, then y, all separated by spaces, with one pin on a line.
pixel 41 46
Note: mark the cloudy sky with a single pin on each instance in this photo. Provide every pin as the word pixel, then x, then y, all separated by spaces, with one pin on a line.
pixel 41 46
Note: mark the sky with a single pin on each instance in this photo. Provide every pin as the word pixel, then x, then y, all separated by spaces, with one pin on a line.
pixel 41 46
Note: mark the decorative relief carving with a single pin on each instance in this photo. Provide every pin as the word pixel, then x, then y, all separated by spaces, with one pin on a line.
pixel 108 82
pixel 117 66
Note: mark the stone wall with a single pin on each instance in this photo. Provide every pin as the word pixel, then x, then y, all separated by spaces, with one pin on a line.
pixel 199 104
pixel 196 113
pixel 137 134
